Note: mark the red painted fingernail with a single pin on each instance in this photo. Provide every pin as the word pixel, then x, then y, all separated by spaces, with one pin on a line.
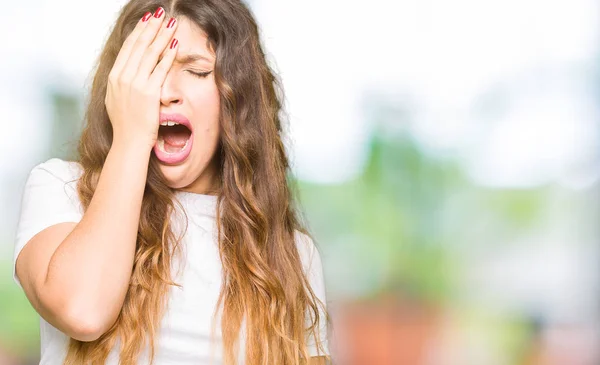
pixel 146 16
pixel 171 23
pixel 159 12
pixel 174 43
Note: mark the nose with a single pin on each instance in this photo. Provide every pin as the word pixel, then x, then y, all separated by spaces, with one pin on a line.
pixel 170 92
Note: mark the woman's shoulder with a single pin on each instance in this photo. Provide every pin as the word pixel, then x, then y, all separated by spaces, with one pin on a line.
pixel 309 254
pixel 57 168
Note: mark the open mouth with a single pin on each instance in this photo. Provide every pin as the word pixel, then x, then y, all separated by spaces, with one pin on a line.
pixel 173 138
pixel 174 142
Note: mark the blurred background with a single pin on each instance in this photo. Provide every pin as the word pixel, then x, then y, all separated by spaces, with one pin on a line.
pixel 447 154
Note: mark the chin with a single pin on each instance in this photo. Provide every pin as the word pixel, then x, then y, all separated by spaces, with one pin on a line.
pixel 175 175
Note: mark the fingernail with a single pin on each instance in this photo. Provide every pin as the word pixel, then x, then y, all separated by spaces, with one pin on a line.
pixel 171 23
pixel 146 16
pixel 159 12
pixel 174 43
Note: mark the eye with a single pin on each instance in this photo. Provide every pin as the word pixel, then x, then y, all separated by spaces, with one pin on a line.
pixel 199 74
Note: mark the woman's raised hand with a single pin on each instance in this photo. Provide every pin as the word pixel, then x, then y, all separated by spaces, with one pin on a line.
pixel 135 81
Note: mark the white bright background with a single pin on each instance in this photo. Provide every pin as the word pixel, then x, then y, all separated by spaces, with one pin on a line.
pixel 445 56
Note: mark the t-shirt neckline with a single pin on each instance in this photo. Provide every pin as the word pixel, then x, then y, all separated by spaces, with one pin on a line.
pixel 198 203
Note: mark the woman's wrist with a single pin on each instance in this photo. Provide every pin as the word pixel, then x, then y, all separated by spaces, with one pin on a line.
pixel 142 145
pixel 133 151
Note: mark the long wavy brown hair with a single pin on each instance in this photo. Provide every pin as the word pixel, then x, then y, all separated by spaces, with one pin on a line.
pixel 264 283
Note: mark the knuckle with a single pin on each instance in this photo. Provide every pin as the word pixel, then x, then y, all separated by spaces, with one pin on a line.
pixel 112 78
pixel 147 93
pixel 138 85
pixel 160 68
pixel 124 80
pixel 145 38
pixel 153 49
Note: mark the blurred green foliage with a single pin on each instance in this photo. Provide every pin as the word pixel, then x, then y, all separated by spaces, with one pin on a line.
pixel 19 323
pixel 393 216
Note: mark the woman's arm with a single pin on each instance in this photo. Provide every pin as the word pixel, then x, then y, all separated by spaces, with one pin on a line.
pixel 76 275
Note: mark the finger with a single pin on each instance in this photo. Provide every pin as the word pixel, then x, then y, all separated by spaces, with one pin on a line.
pixel 160 71
pixel 158 47
pixel 128 44
pixel 141 44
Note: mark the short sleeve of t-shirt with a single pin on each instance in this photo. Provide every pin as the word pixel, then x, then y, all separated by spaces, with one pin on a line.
pixel 49 198
pixel 313 267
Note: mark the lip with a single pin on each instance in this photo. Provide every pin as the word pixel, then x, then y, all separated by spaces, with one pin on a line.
pixel 176 117
pixel 181 156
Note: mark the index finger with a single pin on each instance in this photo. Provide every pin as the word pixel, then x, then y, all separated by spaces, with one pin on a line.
pixel 128 44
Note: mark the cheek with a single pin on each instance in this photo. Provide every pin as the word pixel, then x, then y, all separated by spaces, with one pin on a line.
pixel 205 101
pixel 206 109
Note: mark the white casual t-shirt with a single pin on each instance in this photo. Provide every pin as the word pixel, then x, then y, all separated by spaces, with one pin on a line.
pixel 50 198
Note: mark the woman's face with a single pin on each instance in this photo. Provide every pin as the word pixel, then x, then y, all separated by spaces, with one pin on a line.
pixel 195 98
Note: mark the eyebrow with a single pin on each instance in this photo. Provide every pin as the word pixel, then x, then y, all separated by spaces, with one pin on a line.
pixel 191 58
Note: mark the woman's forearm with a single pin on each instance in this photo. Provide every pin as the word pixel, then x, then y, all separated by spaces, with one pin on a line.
pixel 91 268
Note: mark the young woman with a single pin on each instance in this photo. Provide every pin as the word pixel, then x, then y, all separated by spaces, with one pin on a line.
pixel 173 238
